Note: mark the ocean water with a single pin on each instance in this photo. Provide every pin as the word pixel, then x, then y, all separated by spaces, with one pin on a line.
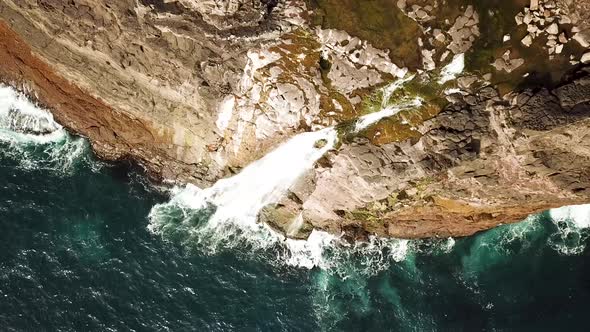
pixel 91 246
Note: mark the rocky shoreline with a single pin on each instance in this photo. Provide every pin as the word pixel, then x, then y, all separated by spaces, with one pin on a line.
pixel 195 90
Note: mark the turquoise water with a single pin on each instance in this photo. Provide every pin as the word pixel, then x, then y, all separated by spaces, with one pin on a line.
pixel 76 254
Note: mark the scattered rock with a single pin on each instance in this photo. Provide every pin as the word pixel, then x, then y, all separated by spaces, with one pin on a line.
pixel 464 31
pixel 565 20
pixel 532 28
pixel 507 65
pixel 469 11
pixel 421 14
pixel 553 29
pixel 528 18
pixel 527 40
pixel 519 18
pixel 562 38
pixel 558 48
pixel 438 35
pixel 465 82
pixel 585 58
pixel 581 39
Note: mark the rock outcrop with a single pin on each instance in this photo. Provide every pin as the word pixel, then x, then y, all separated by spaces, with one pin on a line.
pixel 195 90
pixel 483 161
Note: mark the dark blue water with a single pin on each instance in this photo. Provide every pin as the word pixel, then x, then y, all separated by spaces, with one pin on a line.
pixel 76 255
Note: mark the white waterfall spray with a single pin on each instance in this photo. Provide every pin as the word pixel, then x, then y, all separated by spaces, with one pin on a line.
pixel 225 215
pixel 388 111
pixel 454 68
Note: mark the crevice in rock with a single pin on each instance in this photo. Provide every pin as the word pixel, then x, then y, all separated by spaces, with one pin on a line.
pixel 162 6
pixel 270 5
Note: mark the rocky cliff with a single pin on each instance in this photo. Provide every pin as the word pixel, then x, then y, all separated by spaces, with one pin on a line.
pixel 195 90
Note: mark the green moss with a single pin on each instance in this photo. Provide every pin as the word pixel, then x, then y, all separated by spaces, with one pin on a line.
pixel 320 143
pixel 392 200
pixel 372 102
pixel 497 20
pixel 423 183
pixel 394 129
pixel 378 21
pixel 363 215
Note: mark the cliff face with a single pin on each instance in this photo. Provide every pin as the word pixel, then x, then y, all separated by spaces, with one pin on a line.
pixel 481 162
pixel 195 90
pixel 154 67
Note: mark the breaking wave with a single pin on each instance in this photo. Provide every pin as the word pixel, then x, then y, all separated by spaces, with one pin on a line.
pixel 181 222
pixel 572 224
pixel 224 216
pixel 30 135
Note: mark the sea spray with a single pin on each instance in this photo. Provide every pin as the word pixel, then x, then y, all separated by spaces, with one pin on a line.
pixel 32 135
pixel 497 245
pixel 578 215
pixel 225 215
pixel 572 224
pixel 22 121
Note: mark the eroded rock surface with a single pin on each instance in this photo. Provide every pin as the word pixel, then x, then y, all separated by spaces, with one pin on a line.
pixel 195 90
pixel 484 160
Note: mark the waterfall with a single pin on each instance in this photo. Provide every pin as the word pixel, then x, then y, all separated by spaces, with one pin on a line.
pixel 388 111
pixel 225 214
pixel 454 68
pixel 265 181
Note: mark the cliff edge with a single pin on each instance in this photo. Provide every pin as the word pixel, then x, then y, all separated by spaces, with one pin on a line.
pixel 196 90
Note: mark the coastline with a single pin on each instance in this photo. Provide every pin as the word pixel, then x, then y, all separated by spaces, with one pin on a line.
pixel 432 195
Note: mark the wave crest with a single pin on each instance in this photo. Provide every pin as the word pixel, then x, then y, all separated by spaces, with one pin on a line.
pixel 572 224
pixel 33 138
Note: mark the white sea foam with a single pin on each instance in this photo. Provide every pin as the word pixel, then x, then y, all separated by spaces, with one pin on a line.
pixel 309 253
pixel 21 120
pixel 572 224
pixel 33 137
pixel 225 215
pixel 579 215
